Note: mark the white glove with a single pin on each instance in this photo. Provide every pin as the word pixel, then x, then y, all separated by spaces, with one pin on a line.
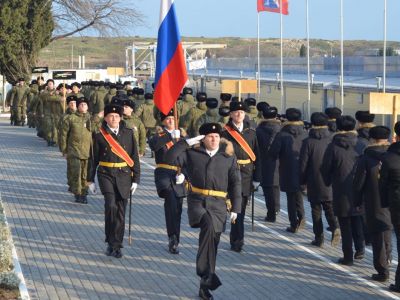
pixel 92 188
pixel 233 217
pixel 180 178
pixel 255 184
pixel 133 187
pixel 176 134
pixel 195 140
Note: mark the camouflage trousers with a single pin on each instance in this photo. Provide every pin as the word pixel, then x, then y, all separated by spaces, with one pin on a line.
pixel 19 114
pixel 77 177
pixel 50 128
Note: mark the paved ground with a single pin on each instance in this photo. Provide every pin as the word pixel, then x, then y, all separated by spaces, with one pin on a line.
pixel 60 243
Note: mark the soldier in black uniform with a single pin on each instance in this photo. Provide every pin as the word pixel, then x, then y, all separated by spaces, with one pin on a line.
pixel 266 132
pixel 338 169
pixel 319 194
pixel 366 191
pixel 244 139
pixel 364 120
pixel 389 188
pixel 333 113
pixel 116 158
pixel 286 147
pixel 164 177
pixel 212 172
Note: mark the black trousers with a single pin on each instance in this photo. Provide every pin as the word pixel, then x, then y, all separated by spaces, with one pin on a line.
pixel 396 228
pixel 115 208
pixel 207 254
pixel 272 200
pixel 237 229
pixel 352 231
pixel 316 212
pixel 173 212
pixel 382 250
pixel 295 207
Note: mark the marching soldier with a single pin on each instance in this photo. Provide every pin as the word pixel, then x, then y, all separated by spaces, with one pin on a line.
pixel 338 169
pixel 366 192
pixel 223 112
pixel 225 99
pixel 189 120
pixel 239 132
pixel 140 99
pixel 319 194
pixel 145 113
pixel 32 102
pixel 365 123
pixel 111 93
pixel 19 102
pixel 266 132
pixel 252 110
pixel 164 176
pixel 76 140
pixel 286 147
pixel 97 99
pixel 51 105
pixel 211 115
pixel 389 189
pixel 187 102
pixel 116 159
pixel 212 172
pixel 333 113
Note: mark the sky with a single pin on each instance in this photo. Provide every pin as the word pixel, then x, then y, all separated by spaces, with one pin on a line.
pixel 363 19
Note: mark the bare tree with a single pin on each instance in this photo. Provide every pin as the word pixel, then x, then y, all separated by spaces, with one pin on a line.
pixel 105 17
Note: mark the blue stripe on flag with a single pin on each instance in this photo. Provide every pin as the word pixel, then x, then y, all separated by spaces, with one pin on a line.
pixel 168 39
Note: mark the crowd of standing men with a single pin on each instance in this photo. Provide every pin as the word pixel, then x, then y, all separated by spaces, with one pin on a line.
pixel 345 165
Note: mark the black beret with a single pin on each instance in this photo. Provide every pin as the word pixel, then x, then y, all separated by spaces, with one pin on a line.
pixel 208 128
pixel 293 114
pixel 261 106
pixel 72 98
pixel 34 81
pixel 250 102
pixel 170 114
pixel 129 102
pixel 364 116
pixel 397 128
pixel 236 105
pixel 379 133
pixel 223 111
pixel 345 123
pixel 148 96
pixel 333 112
pixel 270 112
pixel 77 84
pixel 82 100
pixel 113 108
pixel 187 90
pixel 225 97
pixel 201 96
pixel 319 119
pixel 119 99
pixel 212 103
pixel 140 91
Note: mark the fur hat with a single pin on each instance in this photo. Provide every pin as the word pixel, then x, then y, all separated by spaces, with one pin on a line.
pixel 293 114
pixel 345 123
pixel 364 116
pixel 319 119
pixel 208 128
pixel 379 133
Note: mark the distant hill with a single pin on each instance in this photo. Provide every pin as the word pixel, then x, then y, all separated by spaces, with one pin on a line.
pixel 110 52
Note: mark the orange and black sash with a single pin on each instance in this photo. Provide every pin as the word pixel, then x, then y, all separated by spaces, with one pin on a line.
pixel 241 141
pixel 116 147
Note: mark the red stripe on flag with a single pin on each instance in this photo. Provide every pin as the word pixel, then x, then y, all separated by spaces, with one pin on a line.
pixel 262 7
pixel 171 82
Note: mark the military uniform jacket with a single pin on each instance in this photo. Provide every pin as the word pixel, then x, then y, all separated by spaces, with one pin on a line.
pixel 139 131
pixel 249 172
pixel 266 132
pixel 109 178
pixel 366 189
pixel 286 147
pixel 20 96
pixel 165 179
pixel 332 125
pixel 363 134
pixel 311 156
pixel 389 181
pixel 338 168
pixel 218 173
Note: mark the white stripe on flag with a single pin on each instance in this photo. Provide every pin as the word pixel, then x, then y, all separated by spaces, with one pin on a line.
pixel 165 6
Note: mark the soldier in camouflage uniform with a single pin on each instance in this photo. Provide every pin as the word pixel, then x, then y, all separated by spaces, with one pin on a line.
pixel 189 120
pixel 145 113
pixel 76 140
pixel 97 99
pixel 111 93
pixel 226 99
pixel 32 103
pixel 211 115
pixel 187 102
pixel 252 110
pixel 224 113
pixel 19 102
pixel 76 90
pixel 140 99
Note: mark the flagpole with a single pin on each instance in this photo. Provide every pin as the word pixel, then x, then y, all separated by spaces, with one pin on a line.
pixel 308 63
pixel 283 105
pixel 258 58
pixel 384 44
pixel 341 58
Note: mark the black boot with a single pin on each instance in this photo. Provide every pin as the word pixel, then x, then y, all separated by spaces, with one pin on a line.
pixel 84 199
pixel 205 294
pixel 318 241
pixel 173 245
pixel 77 198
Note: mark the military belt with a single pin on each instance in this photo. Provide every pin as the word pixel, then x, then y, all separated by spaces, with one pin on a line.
pixel 208 192
pixel 243 161
pixel 165 166
pixel 113 165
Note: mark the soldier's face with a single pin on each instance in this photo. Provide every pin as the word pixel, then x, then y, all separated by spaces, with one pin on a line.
pixel 72 105
pixel 83 107
pixel 127 110
pixel 112 120
pixel 50 85
pixel 211 141
pixel 75 89
pixel 237 116
pixel 169 123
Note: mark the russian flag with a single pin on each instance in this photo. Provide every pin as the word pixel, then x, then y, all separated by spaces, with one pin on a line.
pixel 273 6
pixel 171 74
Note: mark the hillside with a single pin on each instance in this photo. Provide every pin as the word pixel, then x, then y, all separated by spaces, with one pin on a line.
pixel 105 52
